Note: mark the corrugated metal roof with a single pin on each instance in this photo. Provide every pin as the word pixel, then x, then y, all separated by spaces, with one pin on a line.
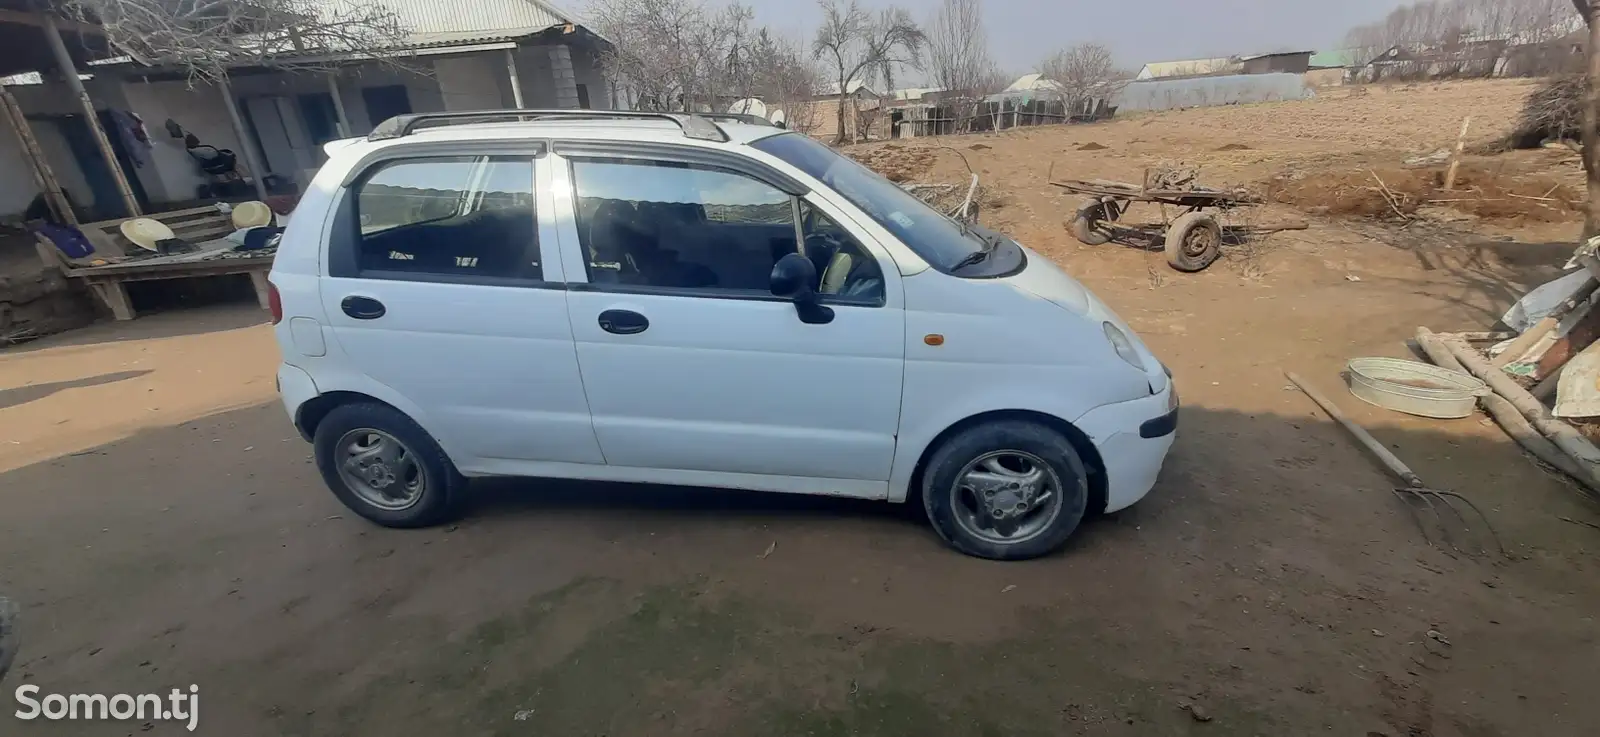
pixel 913 93
pixel 1274 53
pixel 1031 82
pixel 856 85
pixel 1339 58
pixel 431 22
pixel 1187 68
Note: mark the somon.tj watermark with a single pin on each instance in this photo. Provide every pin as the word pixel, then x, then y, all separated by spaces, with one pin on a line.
pixel 174 706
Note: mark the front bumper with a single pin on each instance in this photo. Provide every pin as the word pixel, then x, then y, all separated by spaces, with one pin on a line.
pixel 1133 438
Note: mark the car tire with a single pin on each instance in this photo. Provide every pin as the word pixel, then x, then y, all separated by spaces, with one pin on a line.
pixel 417 485
pixel 1016 447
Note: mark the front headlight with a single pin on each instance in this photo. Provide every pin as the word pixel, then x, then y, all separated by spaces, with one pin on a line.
pixel 1124 347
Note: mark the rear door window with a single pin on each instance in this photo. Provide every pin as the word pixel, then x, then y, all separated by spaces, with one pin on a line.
pixel 460 216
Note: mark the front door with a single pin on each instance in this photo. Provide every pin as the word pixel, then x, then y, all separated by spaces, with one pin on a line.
pixel 690 364
pixel 438 290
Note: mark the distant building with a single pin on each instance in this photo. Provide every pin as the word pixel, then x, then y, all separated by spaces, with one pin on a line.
pixel 824 110
pixel 1190 68
pixel 1445 61
pixel 1292 62
pixel 1556 56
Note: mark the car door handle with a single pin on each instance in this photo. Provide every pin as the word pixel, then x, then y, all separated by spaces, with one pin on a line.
pixel 362 308
pixel 623 322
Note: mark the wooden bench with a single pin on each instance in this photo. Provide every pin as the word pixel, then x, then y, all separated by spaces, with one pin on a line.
pixel 201 226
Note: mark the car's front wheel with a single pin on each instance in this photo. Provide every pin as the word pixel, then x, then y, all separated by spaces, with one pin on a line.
pixel 1005 490
pixel 385 467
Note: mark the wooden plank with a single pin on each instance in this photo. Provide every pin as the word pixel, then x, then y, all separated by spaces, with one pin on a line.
pixel 258 279
pixel 170 271
pixel 180 271
pixel 205 233
pixel 199 222
pixel 111 225
pixel 114 295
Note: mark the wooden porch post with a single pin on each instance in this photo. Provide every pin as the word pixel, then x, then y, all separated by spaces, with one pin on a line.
pixel 52 34
pixel 516 82
pixel 247 146
pixel 338 105
pixel 43 177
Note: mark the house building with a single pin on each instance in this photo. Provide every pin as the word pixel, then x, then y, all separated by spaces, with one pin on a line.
pixel 1478 58
pixel 1190 68
pixel 862 103
pixel 1293 62
pixel 464 55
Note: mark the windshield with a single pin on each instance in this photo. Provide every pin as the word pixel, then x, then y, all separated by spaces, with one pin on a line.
pixel 934 237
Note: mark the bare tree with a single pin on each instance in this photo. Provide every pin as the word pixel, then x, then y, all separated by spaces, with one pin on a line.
pixel 858 47
pixel 685 55
pixel 958 57
pixel 1454 24
pixel 785 78
pixel 675 54
pixel 208 37
pixel 1082 74
pixel 1590 12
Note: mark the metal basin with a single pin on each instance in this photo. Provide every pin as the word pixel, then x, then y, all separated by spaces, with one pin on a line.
pixel 1414 388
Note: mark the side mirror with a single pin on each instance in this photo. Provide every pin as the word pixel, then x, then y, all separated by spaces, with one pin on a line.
pixel 793 276
pixel 792 279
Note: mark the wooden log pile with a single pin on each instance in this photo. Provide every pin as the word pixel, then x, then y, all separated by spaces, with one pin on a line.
pixel 1520 410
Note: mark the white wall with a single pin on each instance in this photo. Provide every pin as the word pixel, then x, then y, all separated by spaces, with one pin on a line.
pixel 59 155
pixel 538 84
pixel 17 189
pixel 474 81
pixel 53 98
pixel 199 110
pixel 586 70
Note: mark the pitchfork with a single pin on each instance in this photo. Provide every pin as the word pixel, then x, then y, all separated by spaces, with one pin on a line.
pixel 1414 490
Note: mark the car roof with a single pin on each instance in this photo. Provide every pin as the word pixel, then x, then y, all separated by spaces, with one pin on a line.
pixel 644 129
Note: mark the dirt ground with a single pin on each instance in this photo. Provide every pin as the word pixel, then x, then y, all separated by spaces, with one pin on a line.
pixel 163 524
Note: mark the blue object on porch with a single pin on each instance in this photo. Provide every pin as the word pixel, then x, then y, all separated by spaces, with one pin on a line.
pixel 69 240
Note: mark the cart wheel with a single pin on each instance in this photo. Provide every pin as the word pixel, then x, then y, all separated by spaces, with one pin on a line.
pixel 1194 241
pixel 1083 224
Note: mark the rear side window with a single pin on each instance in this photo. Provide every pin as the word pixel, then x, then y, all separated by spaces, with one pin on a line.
pixel 679 226
pixel 461 216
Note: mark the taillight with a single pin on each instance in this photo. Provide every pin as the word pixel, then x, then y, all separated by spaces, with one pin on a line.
pixel 274 303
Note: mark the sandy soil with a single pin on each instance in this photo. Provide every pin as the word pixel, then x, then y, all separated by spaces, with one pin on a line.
pixel 163 526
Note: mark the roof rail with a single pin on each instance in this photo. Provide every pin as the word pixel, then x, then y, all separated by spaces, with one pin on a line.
pixel 400 126
pixel 738 118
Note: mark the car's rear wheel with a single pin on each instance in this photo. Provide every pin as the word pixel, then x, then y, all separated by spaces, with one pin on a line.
pixel 1005 490
pixel 385 467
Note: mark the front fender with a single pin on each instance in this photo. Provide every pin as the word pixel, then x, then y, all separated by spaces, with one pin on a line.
pixel 930 408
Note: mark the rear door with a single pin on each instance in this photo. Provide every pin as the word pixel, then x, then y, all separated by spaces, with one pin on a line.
pixel 689 361
pixel 443 288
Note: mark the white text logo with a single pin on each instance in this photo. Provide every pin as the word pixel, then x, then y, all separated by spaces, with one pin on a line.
pixel 174 706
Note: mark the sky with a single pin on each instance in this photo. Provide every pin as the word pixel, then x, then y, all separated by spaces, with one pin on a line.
pixel 1022 32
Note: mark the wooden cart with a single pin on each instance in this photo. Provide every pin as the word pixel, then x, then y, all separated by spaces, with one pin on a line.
pixel 1192 241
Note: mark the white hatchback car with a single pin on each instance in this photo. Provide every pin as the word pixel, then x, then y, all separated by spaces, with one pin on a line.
pixel 645 297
